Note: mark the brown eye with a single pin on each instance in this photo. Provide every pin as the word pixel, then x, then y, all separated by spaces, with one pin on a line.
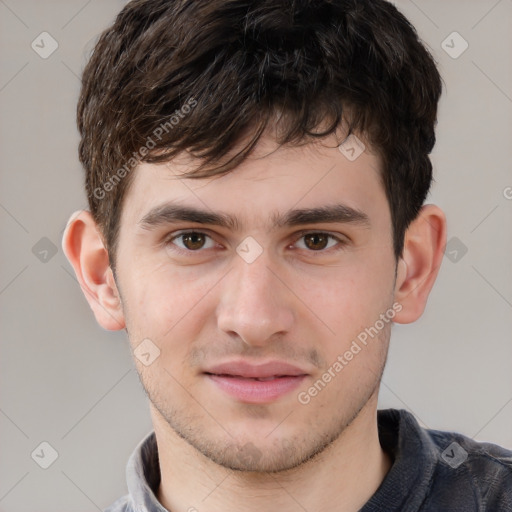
pixel 316 241
pixel 193 241
pixel 190 241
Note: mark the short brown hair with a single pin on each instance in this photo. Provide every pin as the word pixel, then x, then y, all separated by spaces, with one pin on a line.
pixel 236 63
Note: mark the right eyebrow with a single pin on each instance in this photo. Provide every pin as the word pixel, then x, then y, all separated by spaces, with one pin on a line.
pixel 170 213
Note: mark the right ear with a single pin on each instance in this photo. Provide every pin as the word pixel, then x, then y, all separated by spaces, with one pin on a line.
pixel 83 246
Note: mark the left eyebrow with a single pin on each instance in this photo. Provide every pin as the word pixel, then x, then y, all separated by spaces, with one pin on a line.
pixel 336 213
pixel 171 213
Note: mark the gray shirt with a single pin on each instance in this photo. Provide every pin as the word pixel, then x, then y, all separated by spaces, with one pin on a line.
pixel 432 471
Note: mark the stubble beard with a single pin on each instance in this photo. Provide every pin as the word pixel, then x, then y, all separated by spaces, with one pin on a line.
pixel 280 455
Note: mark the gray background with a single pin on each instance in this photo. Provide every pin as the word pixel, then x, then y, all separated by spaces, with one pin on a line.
pixel 66 381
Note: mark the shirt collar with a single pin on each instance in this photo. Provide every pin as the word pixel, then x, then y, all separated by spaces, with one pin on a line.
pixel 414 460
pixel 143 476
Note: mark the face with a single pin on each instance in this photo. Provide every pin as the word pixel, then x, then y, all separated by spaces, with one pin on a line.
pixel 254 287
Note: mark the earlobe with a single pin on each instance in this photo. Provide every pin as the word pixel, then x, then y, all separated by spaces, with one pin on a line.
pixel 83 246
pixel 419 265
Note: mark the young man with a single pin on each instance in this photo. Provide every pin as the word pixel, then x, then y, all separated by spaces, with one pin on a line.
pixel 256 173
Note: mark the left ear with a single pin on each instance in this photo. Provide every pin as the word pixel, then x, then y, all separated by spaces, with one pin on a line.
pixel 424 245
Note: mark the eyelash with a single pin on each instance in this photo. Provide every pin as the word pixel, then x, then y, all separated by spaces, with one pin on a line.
pixel 341 243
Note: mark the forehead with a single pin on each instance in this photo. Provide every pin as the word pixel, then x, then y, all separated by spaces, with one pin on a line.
pixel 265 186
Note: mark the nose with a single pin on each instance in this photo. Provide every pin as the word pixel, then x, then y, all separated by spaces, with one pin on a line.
pixel 255 304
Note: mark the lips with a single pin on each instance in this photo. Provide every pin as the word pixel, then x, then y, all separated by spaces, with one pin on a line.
pixel 257 384
pixel 266 371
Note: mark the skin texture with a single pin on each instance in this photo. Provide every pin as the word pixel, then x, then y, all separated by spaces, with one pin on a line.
pixel 292 304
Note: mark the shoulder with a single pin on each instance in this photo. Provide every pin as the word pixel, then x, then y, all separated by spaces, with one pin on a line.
pixel 458 449
pixel 481 469
pixel 442 470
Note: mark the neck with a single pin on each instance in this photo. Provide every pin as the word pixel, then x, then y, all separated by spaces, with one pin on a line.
pixel 341 478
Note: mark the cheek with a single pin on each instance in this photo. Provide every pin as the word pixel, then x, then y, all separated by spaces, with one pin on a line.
pixel 164 304
pixel 350 297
